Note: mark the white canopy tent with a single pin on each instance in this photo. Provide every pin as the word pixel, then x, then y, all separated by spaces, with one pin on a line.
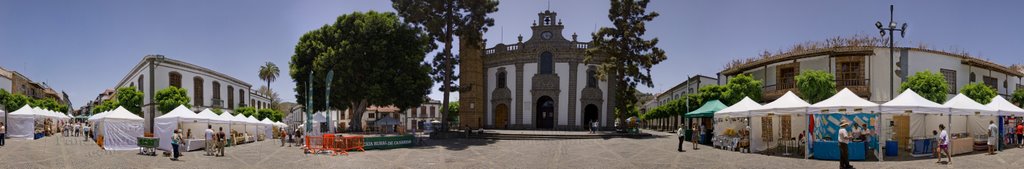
pixel 179 118
pixel 975 116
pixel 231 123
pixel 923 115
pixel 268 127
pixel 120 129
pixel 742 108
pixel 844 102
pixel 788 105
pixel 252 126
pixel 217 122
pixel 1004 107
pixel 22 123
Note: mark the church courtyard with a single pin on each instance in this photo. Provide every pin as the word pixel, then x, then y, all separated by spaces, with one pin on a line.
pixel 655 152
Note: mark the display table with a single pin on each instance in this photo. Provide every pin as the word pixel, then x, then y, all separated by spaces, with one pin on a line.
pixel 829 150
pixel 194 144
pixel 962 145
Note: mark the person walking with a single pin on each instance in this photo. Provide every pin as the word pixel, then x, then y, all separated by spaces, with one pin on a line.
pixel 175 141
pixel 3 133
pixel 694 136
pixel 283 134
pixel 844 140
pixel 208 133
pixel 1020 134
pixel 222 140
pixel 993 132
pixel 944 145
pixel 681 139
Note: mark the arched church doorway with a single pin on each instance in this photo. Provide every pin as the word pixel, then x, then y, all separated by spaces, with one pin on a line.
pixel 545 114
pixel 501 116
pixel 589 116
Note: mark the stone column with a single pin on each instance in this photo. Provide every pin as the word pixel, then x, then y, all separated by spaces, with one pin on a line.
pixel 519 96
pixel 573 68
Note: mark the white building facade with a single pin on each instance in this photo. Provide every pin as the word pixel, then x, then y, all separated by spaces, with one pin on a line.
pixel 866 70
pixel 544 83
pixel 206 88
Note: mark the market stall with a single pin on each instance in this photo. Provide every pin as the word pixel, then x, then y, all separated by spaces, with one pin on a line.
pixel 232 130
pixel 119 129
pixel 22 123
pixel 703 116
pixel 976 119
pixel 912 118
pixel 1004 108
pixel 736 118
pixel 825 117
pixel 180 118
pixel 787 114
pixel 254 128
pixel 215 121
pixel 268 128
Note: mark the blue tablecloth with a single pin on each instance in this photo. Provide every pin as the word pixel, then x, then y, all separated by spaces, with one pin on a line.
pixel 829 150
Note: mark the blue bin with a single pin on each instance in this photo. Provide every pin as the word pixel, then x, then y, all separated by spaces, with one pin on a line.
pixel 892 148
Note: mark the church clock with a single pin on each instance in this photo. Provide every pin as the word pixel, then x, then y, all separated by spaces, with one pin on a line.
pixel 546 35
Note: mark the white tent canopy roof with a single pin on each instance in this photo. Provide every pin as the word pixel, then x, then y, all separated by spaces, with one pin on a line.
pixel 252 119
pixel 1005 107
pixel 97 116
pixel 182 113
pixel 24 111
pixel 241 118
pixel 267 121
pixel 740 109
pixel 319 117
pixel 121 114
pixel 788 103
pixel 227 116
pixel 911 101
pixel 963 105
pixel 845 99
pixel 209 115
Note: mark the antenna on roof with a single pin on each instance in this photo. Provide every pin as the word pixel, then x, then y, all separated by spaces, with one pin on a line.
pixel 549 5
pixel 503 34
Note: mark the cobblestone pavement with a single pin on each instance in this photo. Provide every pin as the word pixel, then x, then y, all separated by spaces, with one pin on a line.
pixel 658 152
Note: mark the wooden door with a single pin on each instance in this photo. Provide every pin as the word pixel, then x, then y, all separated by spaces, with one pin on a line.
pixel 902 130
pixel 501 116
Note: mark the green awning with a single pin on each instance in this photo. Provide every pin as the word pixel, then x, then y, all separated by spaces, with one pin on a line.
pixel 706 110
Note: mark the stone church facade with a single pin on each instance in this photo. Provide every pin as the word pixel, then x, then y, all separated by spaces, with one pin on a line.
pixel 541 83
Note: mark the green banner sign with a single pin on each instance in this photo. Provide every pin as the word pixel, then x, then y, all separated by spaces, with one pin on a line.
pixel 387 142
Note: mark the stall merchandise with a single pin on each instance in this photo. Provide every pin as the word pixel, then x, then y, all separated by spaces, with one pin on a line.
pixel 179 118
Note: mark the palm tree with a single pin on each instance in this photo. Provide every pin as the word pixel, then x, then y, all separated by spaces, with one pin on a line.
pixel 269 72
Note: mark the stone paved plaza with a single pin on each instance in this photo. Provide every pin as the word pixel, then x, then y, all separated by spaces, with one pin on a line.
pixel 658 152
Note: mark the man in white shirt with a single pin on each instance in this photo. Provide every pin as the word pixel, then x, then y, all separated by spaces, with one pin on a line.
pixel 209 140
pixel 993 132
pixel 844 138
pixel 681 138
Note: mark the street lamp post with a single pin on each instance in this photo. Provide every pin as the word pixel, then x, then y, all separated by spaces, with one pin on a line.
pixel 892 29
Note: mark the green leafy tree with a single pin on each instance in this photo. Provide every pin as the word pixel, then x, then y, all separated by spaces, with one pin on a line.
pixel 714 92
pixel 266 113
pixel 131 99
pixel 106 105
pixel 443 20
pixel 979 92
pixel 376 60
pixel 1017 97
pixel 628 56
pixel 245 111
pixel 171 97
pixel 742 85
pixel 16 101
pixel 217 111
pixel 816 85
pixel 453 111
pixel 931 86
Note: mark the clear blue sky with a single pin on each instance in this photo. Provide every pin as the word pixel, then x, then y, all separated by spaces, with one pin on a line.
pixel 84 47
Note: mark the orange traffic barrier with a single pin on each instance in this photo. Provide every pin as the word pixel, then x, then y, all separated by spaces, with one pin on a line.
pixel 314 144
pixel 354 143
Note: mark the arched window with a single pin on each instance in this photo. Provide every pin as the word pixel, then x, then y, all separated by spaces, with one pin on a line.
pixel 231 97
pixel 241 96
pixel 502 79
pixel 141 88
pixel 197 88
pixel 216 91
pixel 546 63
pixel 591 78
pixel 174 79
